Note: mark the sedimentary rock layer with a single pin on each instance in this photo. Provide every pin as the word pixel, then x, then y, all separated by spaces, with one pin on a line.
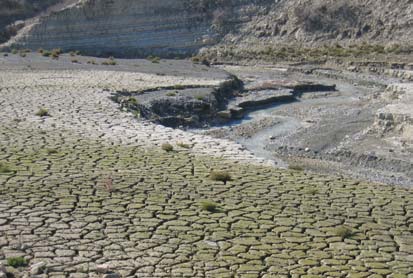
pixel 135 28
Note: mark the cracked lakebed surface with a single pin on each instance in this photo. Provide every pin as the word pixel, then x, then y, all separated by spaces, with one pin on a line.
pixel 269 222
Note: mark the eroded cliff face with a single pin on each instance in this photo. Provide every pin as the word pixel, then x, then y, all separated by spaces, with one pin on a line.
pixel 181 27
pixel 137 28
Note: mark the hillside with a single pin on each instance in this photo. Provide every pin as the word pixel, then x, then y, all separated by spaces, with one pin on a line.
pixel 13 10
pixel 175 27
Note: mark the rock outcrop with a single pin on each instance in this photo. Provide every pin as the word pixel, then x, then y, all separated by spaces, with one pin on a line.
pixel 397 117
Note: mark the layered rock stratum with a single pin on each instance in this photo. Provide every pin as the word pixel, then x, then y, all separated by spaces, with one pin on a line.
pixel 175 27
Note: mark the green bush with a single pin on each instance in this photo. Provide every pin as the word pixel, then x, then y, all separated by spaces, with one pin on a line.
pixel 183 145
pixel 43 113
pixel 209 206
pixel 51 151
pixel 4 169
pixel 46 53
pixel 344 232
pixel 167 147
pixel 295 167
pixel 154 59
pixel 110 62
pixel 17 262
pixel 220 176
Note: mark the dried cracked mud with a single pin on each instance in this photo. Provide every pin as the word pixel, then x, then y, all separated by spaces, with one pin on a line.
pixel 90 185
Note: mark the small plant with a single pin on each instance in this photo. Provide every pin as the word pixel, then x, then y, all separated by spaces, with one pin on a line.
pixel 43 113
pixel 344 232
pixel 92 62
pixel 51 151
pixel 75 61
pixel 17 262
pixel 154 59
pixel 220 176
pixel 183 145
pixel 209 206
pixel 22 54
pixel 295 167
pixel 167 147
pixel 132 101
pixel 46 53
pixel 110 62
pixel 55 53
pixel 40 50
pixel 312 191
pixel 200 60
pixel 14 51
pixel 72 53
pixel 200 98
pixel 4 169
pixel 171 94
pixel 179 87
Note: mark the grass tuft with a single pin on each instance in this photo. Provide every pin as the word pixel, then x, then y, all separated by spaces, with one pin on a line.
pixel 220 176
pixel 4 169
pixel 167 147
pixel 43 113
pixel 17 262
pixel 295 167
pixel 51 151
pixel 209 206
pixel 183 145
pixel 344 232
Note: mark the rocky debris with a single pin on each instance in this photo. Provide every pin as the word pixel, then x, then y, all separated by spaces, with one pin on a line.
pixel 295 86
pixel 3 271
pixel 103 268
pixel 397 117
pixel 185 106
pixel 37 268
